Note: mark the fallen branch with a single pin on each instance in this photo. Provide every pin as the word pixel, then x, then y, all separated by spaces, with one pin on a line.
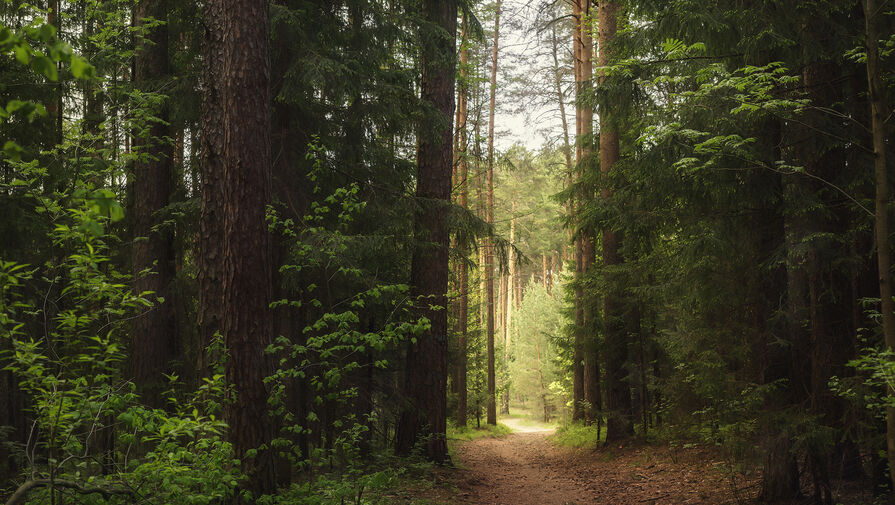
pixel 28 486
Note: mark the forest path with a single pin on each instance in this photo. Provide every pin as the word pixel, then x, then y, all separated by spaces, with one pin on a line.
pixel 526 468
pixel 522 468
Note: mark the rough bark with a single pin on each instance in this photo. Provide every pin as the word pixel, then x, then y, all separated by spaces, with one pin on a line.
pixel 237 106
pixel 426 365
pixel 154 336
pixel 211 166
pixel 619 423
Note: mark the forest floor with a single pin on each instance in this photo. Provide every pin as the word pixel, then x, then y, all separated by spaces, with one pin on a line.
pixel 528 467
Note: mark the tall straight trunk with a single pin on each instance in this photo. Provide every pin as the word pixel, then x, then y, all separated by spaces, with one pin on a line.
pixel 462 175
pixel 560 97
pixel 489 254
pixel 585 246
pixel 153 338
pixel 426 364
pixel 578 351
pixel 620 422
pixel 211 167
pixel 510 299
pixel 879 112
pixel 236 110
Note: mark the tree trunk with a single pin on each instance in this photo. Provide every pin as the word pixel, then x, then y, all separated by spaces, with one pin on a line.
pixel 426 365
pixel 578 352
pixel 489 258
pixel 462 176
pixel 154 335
pixel 236 107
pixel 879 111
pixel 619 424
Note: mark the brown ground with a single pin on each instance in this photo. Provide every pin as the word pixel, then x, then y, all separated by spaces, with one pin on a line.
pixel 526 469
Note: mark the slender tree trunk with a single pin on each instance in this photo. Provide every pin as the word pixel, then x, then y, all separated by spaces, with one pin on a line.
pixel 154 335
pixel 489 258
pixel 426 365
pixel 620 423
pixel 578 352
pixel 463 172
pixel 236 107
pixel 879 111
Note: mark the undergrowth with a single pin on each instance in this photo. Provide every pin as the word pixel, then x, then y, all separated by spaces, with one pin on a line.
pixel 468 433
pixel 578 435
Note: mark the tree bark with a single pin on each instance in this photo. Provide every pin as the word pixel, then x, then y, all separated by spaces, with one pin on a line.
pixel 426 366
pixel 462 176
pixel 619 424
pixel 237 107
pixel 154 336
pixel 489 258
pixel 578 352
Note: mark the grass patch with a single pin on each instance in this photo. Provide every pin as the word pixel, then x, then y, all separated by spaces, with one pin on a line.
pixel 578 435
pixel 469 433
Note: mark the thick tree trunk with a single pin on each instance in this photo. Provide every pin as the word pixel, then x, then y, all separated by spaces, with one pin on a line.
pixel 879 112
pixel 426 366
pixel 154 336
pixel 211 167
pixel 237 107
pixel 619 423
pixel 489 259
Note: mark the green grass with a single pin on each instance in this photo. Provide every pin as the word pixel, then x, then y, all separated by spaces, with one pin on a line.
pixel 528 417
pixel 578 435
pixel 470 433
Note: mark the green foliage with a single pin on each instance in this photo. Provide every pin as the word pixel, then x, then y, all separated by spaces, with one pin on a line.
pixel 87 424
pixel 467 433
pixel 578 435
pixel 534 363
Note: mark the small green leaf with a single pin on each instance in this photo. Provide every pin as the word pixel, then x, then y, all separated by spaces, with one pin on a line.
pixel 13 150
pixel 42 64
pixel 23 54
pixel 46 32
pixel 80 68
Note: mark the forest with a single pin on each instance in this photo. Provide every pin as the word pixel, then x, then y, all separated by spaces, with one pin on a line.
pixel 447 251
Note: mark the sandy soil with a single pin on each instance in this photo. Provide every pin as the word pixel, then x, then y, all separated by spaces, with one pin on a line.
pixel 525 468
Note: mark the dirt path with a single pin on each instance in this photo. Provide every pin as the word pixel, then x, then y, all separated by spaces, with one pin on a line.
pixel 525 468
pixel 519 469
